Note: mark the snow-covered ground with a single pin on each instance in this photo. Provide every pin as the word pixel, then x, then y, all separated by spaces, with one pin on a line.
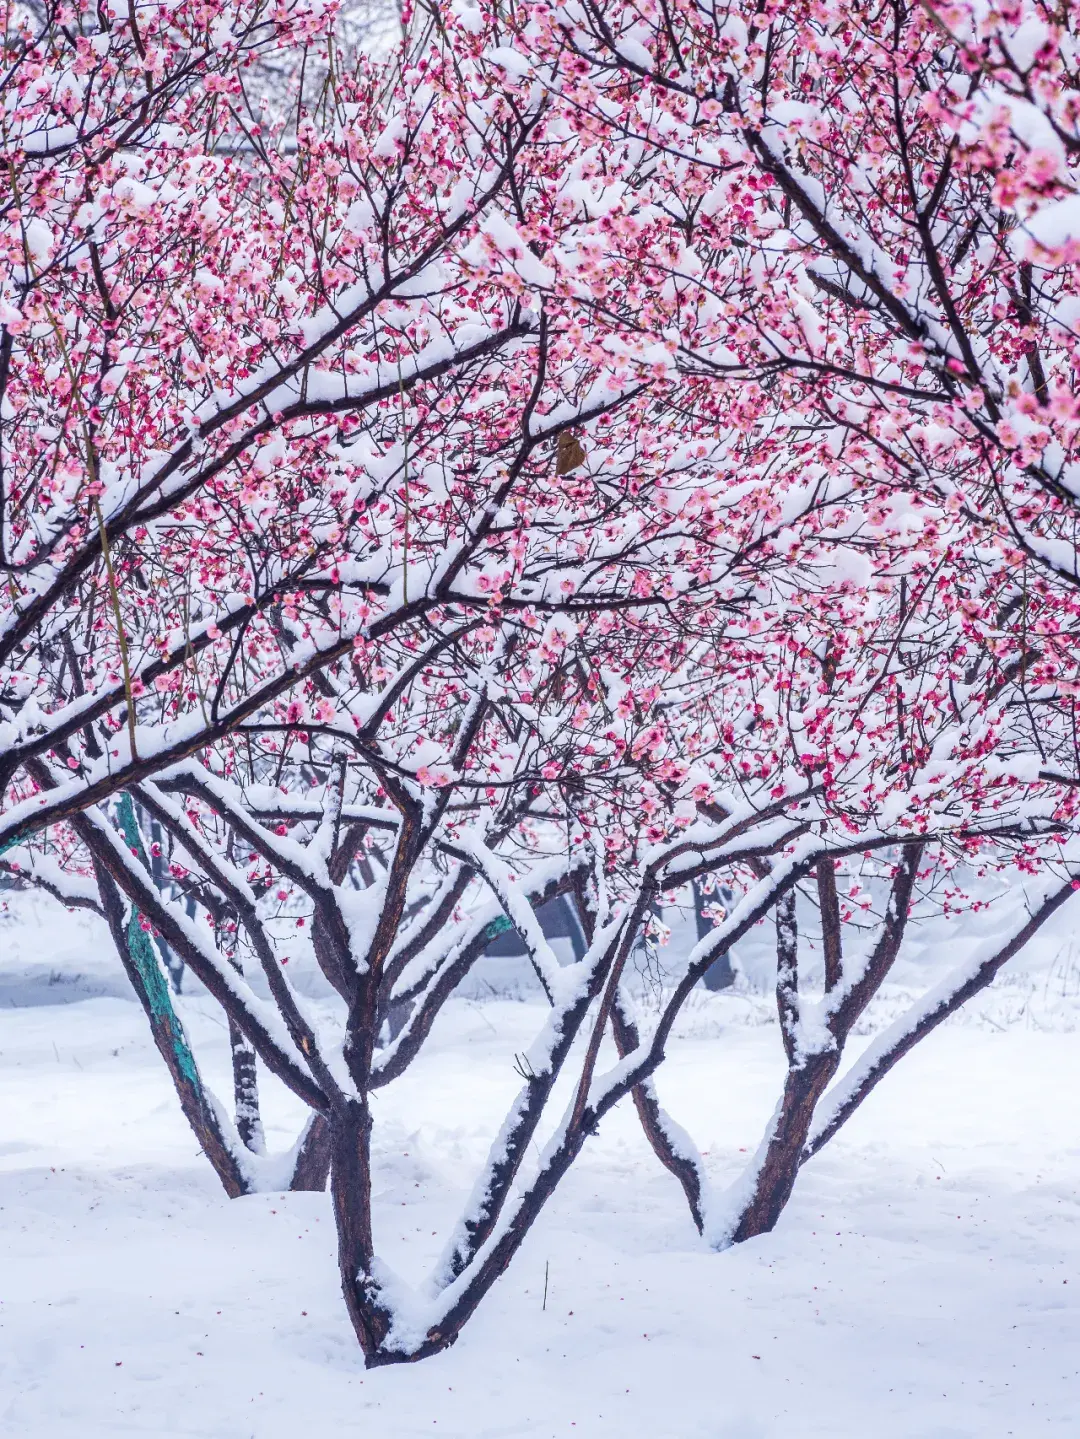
pixel 922 1285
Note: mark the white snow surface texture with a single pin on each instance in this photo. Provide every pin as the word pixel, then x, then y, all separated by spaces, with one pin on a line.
pixel 922 1284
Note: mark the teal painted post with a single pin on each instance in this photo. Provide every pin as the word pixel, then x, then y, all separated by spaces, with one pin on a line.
pixel 146 961
pixel 498 926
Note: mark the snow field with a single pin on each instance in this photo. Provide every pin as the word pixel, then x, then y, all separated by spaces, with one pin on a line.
pixel 922 1284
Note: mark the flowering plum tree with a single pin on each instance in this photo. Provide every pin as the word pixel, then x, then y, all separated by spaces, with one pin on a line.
pixel 696 700
pixel 382 520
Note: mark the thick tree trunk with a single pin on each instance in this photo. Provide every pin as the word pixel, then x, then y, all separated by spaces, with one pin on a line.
pixel 350 1188
pixel 783 1150
pixel 785 1147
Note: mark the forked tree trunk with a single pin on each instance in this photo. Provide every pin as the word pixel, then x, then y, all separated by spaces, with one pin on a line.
pixel 783 1149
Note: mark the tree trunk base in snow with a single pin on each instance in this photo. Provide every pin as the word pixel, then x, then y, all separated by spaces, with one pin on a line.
pixel 783 1156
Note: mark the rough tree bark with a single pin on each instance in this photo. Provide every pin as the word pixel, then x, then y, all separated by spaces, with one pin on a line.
pixel 814 1059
